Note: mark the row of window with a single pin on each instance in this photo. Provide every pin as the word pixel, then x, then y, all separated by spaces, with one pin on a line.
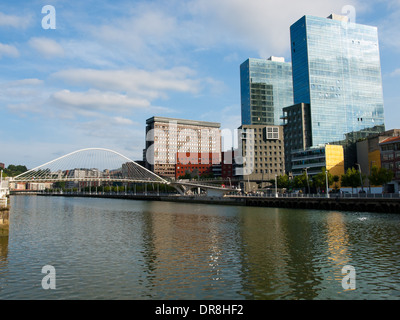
pixel 264 159
pixel 391 165
pixel 390 147
pixel 390 156
pixel 266 171
pixel 265 148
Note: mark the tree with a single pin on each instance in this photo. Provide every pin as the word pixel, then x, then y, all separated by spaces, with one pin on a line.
pixel 13 170
pixel 380 176
pixel 283 181
pixel 301 181
pixel 186 176
pixel 319 179
pixel 336 179
pixel 352 178
pixel 59 185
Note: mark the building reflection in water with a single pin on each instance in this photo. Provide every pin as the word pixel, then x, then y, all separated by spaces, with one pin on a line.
pixel 4 235
pixel 262 254
pixel 191 251
pixel 338 243
pixel 3 248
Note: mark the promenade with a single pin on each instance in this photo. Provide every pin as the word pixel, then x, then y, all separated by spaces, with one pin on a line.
pixel 382 203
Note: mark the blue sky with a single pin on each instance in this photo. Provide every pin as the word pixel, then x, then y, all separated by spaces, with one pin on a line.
pixel 110 65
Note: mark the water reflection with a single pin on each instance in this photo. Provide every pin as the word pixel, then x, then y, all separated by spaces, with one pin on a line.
pixel 3 248
pixel 121 249
pixel 338 242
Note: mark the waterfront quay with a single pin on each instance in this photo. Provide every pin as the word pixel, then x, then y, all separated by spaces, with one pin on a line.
pixel 4 217
pixel 382 203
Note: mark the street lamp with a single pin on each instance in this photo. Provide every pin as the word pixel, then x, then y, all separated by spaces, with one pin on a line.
pixel 276 186
pixel 326 179
pixel 308 184
pixel 359 170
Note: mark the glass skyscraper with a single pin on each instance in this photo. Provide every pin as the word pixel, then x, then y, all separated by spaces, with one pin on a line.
pixel 266 88
pixel 337 70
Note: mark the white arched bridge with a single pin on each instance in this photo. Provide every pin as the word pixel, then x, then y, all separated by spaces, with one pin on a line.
pixel 101 166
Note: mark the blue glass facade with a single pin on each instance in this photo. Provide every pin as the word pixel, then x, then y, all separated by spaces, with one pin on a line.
pixel 336 69
pixel 266 88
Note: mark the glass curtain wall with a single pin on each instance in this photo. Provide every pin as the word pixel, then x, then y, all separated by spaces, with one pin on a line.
pixel 336 69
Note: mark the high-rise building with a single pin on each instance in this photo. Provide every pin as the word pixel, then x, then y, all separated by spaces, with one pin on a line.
pixel 297 130
pixel 266 88
pixel 263 154
pixel 166 137
pixel 337 71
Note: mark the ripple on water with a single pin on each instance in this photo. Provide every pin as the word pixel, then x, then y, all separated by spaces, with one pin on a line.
pixel 117 249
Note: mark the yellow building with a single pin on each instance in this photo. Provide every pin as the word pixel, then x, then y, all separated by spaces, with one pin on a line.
pixel 314 159
pixel 334 159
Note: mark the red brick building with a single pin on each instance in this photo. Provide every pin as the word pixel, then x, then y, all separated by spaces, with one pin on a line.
pixel 227 164
pixel 390 159
pixel 197 164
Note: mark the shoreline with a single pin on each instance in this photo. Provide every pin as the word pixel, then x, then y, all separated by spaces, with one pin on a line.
pixel 362 204
pixel 4 221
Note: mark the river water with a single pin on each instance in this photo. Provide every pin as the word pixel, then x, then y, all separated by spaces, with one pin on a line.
pixel 125 249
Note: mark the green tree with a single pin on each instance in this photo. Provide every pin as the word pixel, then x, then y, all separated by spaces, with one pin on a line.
pixel 186 176
pixel 319 179
pixel 301 181
pixel 59 185
pixel 283 182
pixel 380 176
pixel 13 170
pixel 352 178
pixel 336 179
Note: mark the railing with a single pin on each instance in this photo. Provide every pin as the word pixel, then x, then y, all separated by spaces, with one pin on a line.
pixel 4 191
pixel 3 195
pixel 321 195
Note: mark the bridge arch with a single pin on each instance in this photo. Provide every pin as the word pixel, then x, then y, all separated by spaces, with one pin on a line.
pixel 90 164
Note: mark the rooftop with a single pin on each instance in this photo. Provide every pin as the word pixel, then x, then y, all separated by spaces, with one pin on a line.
pixel 390 140
pixel 184 122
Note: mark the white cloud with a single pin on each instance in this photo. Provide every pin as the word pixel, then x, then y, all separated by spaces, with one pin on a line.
pixel 23 82
pixel 8 50
pixel 22 96
pixel 395 73
pixel 97 100
pixel 47 47
pixel 146 36
pixel 389 29
pixel 259 25
pixel 122 121
pixel 151 84
pixel 14 21
pixel 156 33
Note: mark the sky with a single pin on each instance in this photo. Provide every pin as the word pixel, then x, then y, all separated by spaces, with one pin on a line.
pixel 105 67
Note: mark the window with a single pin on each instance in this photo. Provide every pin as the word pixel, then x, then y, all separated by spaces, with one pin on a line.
pixel 271 133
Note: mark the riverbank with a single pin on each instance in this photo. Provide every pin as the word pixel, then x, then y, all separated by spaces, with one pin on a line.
pixel 4 221
pixel 362 204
